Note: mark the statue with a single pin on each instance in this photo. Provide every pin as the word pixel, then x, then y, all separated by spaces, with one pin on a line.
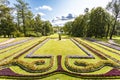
pixel 59 34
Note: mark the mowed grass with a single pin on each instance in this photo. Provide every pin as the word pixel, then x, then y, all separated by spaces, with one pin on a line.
pixel 56 36
pixel 60 47
pixel 3 39
pixel 92 44
pixel 56 47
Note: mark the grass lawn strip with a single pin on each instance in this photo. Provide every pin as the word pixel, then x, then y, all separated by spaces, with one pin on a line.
pixel 36 48
pixel 63 47
pixel 3 39
pixel 85 50
pixel 108 54
pixel 14 43
pixel 15 53
pixel 13 47
pixel 7 41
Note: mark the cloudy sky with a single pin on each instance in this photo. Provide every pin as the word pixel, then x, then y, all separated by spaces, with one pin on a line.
pixel 61 11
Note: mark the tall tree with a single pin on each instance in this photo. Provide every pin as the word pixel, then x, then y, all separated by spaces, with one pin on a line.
pixel 67 27
pixel 114 7
pixel 98 22
pixel 22 9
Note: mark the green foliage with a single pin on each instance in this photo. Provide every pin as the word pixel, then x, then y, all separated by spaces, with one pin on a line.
pixel 114 7
pixel 96 23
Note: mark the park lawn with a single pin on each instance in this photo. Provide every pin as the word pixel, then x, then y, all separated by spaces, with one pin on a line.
pixel 101 49
pixel 3 39
pixel 17 50
pixel 60 47
pixel 55 47
pixel 56 36
pixel 117 41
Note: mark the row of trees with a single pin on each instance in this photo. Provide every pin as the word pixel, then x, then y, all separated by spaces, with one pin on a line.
pixel 24 23
pixel 96 23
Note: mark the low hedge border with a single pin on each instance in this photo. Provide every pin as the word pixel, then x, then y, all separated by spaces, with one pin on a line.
pixel 13 75
pixel 38 56
pixel 89 67
pixel 90 56
pixel 29 49
pixel 40 44
pixel 81 57
pixel 114 59
pixel 32 67
pixel 15 47
pixel 29 67
pixel 95 51
pixel 14 43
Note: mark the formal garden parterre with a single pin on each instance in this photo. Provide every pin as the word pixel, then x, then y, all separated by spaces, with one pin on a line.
pixel 47 56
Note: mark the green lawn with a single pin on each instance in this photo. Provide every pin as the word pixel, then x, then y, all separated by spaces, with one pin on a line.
pixel 60 47
pixel 3 39
pixel 56 47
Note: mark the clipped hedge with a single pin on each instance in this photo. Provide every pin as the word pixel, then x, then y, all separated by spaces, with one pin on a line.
pixel 31 47
pixel 33 67
pixel 95 51
pixel 89 67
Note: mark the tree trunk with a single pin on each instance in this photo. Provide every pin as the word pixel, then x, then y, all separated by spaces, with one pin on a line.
pixel 113 30
pixel 108 31
pixel 23 17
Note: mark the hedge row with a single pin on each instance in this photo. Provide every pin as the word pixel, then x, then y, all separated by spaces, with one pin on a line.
pixel 81 57
pixel 112 58
pixel 41 43
pixel 90 56
pixel 31 47
pixel 15 46
pixel 95 51
pixel 89 67
pixel 33 67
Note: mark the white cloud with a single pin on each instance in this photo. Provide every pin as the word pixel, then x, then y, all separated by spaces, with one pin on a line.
pixel 61 22
pixel 41 14
pixel 44 7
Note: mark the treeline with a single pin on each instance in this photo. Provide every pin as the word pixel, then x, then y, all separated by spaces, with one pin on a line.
pixel 24 23
pixel 96 23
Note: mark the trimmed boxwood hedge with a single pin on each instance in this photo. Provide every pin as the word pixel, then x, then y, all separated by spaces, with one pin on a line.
pixel 32 67
pixel 89 67
pixel 95 51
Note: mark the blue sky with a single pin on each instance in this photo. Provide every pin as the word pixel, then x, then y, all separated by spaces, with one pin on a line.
pixel 50 9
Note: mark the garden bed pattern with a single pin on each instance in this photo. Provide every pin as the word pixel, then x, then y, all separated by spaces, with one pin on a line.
pixel 72 69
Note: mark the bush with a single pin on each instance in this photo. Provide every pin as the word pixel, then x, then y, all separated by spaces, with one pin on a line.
pixel 18 34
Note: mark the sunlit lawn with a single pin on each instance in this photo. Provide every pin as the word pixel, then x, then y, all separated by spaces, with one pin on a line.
pixel 60 47
pixel 3 39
